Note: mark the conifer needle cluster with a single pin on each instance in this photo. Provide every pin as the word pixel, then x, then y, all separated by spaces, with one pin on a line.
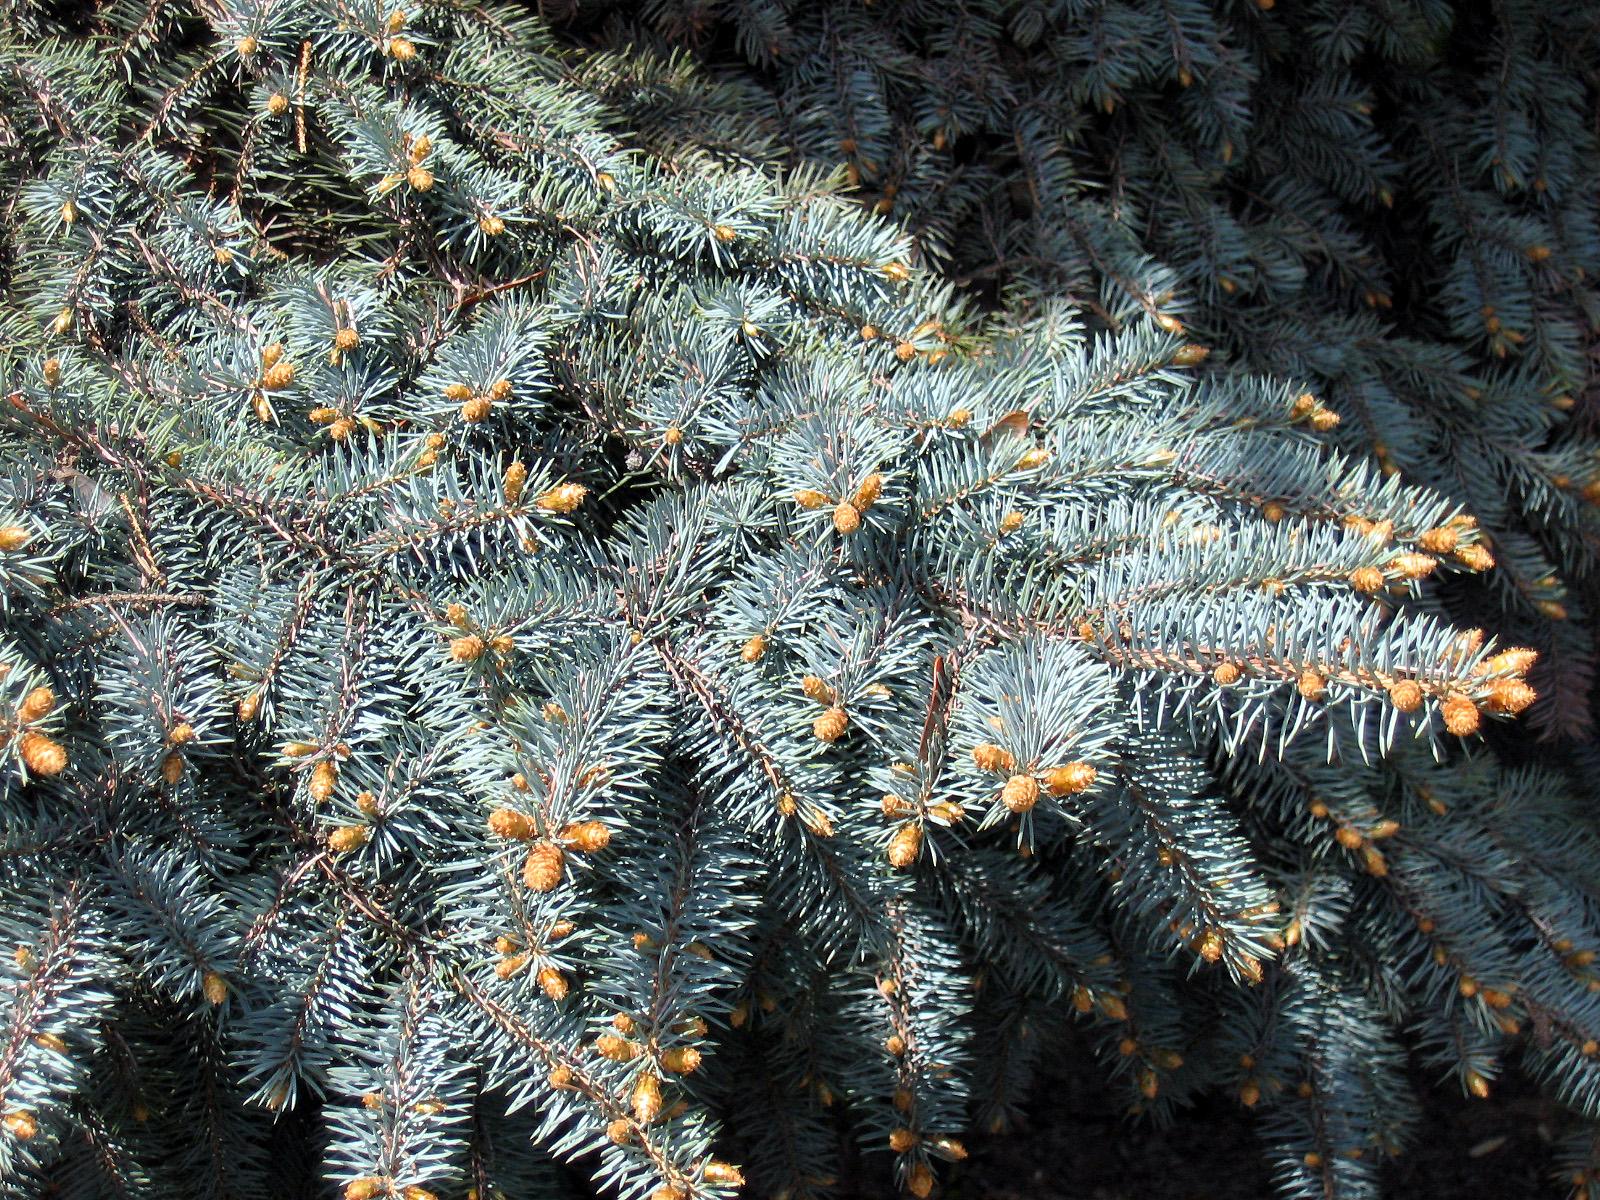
pixel 544 643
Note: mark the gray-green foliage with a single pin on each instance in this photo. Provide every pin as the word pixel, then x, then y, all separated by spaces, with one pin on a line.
pixel 1394 202
pixel 415 438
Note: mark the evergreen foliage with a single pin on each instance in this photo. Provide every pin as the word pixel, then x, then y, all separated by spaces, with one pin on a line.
pixel 1394 203
pixel 537 632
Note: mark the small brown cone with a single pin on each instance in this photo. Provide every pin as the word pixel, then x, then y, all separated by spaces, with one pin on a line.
pixel 324 778
pixel 646 1098
pixel 831 725
pixel 509 823
pixel 553 983
pixel 846 518
pixel 867 494
pixel 36 704
pixel 990 757
pixel 681 1060
pixel 543 869
pixel 723 1173
pixel 1071 779
pixel 816 688
pixel 1020 793
pixel 1518 660
pixel 347 838
pixel 589 837
pixel 1511 696
pixel 1367 580
pixel 563 498
pixel 1439 541
pixel 1414 566
pixel 905 845
pixel 215 987
pixel 41 755
pixel 1405 695
pixel 1461 716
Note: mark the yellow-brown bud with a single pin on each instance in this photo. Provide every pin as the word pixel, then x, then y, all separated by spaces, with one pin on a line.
pixel 990 757
pixel 816 688
pixel 589 837
pixel 646 1098
pixel 681 1060
pixel 1405 695
pixel 1020 793
pixel 831 725
pixel 509 823
pixel 543 869
pixel 1414 566
pixel 348 838
pixel 869 491
pixel 563 498
pixel 724 1173
pixel 553 983
pixel 905 846
pixel 1071 779
pixel 1312 685
pixel 37 703
pixel 41 755
pixel 324 778
pixel 1030 459
pixel 1441 540
pixel 1367 580
pixel 215 988
pixel 277 377
pixel 1510 696
pixel 1460 716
